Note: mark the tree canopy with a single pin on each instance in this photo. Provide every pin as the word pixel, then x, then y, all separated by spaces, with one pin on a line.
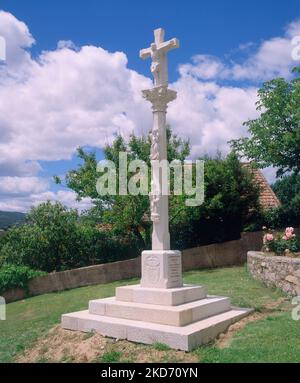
pixel 275 135
pixel 288 188
pixel 126 213
pixel 231 196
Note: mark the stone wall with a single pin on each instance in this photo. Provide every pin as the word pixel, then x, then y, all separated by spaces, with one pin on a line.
pixel 216 255
pixel 84 276
pixel 273 271
pixel 229 253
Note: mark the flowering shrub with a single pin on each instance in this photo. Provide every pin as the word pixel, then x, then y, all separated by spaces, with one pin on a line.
pixel 286 243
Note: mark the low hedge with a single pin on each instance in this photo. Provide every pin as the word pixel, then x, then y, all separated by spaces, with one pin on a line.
pixel 13 276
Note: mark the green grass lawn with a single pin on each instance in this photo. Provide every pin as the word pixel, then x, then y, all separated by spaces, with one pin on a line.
pixel 274 338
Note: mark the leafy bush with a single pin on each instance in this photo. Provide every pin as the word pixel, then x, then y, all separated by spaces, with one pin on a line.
pixel 12 276
pixel 286 243
pixel 126 213
pixel 280 217
pixel 287 188
pixel 288 191
pixel 57 238
pixel 231 202
pixel 53 238
pixel 231 197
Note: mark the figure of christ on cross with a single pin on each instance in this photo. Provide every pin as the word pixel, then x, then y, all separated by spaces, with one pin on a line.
pixel 158 53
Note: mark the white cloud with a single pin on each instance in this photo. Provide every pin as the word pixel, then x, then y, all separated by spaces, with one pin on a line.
pixel 62 99
pixel 18 40
pixel 71 99
pixel 22 185
pixel 67 197
pixel 210 114
pixel 270 174
pixel 67 98
pixel 66 44
pixel 203 67
pixel 24 203
pixel 271 59
pixel 76 96
pixel 17 168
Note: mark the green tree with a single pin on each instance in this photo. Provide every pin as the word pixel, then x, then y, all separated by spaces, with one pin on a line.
pixel 46 239
pixel 275 135
pixel 287 188
pixel 56 238
pixel 231 197
pixel 231 204
pixel 126 213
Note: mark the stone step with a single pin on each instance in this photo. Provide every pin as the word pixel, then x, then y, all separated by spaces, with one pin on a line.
pixel 183 338
pixel 163 297
pixel 169 315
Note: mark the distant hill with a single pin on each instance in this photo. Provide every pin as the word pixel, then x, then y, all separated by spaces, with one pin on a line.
pixel 10 218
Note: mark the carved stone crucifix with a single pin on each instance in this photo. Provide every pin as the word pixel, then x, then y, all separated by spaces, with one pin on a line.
pixel 159 96
pixel 158 53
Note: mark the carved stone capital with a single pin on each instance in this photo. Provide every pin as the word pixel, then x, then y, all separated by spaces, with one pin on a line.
pixel 159 97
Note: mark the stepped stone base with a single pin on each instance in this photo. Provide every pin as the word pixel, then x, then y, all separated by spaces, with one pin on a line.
pixel 184 338
pixel 183 318
pixel 168 297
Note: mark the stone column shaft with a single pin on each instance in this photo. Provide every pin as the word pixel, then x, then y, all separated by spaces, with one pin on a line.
pixel 161 267
pixel 160 232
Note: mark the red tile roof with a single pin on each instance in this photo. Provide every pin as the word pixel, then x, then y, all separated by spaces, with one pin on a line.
pixel 268 198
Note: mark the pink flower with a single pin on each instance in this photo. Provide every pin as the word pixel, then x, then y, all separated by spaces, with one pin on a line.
pixel 289 233
pixel 289 230
pixel 269 237
pixel 285 238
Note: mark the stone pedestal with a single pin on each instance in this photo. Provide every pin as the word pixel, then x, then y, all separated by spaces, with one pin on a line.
pixel 161 309
pixel 182 318
pixel 161 269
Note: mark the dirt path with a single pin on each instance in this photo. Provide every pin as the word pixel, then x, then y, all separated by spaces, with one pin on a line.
pixel 71 346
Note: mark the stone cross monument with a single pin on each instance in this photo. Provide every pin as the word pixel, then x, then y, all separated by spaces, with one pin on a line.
pixel 158 53
pixel 160 308
pixel 160 266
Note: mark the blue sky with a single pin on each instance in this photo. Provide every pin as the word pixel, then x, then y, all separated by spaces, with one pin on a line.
pixel 227 49
pixel 215 27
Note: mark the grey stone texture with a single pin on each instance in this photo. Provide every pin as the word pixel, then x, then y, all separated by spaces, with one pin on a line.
pixel 275 271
